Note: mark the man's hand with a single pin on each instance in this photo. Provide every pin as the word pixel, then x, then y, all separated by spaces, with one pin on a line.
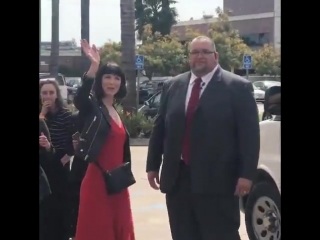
pixel 65 159
pixel 243 187
pixel 153 178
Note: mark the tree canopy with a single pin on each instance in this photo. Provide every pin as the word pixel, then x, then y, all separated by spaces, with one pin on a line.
pixel 165 55
pixel 160 14
pixel 111 52
pixel 267 61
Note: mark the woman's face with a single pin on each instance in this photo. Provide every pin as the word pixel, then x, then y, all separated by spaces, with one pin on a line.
pixel 110 84
pixel 48 93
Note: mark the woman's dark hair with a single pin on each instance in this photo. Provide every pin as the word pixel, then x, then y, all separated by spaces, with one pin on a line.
pixel 59 101
pixel 114 69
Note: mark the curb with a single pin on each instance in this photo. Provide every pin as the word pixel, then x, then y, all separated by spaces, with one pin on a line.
pixel 139 141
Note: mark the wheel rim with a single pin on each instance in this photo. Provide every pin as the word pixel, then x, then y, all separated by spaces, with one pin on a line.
pixel 266 219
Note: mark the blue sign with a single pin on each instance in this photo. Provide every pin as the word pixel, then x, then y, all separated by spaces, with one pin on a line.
pixel 139 62
pixel 247 61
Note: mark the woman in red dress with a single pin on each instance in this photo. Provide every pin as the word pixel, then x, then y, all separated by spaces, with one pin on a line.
pixel 102 216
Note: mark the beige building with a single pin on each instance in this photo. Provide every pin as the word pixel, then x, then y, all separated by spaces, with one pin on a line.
pixel 258 21
pixel 69 55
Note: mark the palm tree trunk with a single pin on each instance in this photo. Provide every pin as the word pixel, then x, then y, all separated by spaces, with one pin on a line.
pixel 127 12
pixel 85 31
pixel 54 55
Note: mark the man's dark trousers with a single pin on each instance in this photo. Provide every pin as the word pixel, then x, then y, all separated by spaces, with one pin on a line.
pixel 201 216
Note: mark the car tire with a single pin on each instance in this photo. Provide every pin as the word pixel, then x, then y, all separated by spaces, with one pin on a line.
pixel 263 212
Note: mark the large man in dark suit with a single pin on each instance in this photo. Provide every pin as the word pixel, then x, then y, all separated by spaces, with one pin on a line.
pixel 207 130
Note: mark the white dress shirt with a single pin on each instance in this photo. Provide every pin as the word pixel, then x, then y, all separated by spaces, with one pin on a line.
pixel 205 80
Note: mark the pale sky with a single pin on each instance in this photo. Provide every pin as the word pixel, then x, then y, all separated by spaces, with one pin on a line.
pixel 105 18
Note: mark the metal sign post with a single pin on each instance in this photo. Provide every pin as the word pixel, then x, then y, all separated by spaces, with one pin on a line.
pixel 139 67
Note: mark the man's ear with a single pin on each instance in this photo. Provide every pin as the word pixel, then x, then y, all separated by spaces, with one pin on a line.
pixel 216 56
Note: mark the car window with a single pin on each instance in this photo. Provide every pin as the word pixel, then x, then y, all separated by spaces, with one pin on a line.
pixel 70 82
pixel 156 100
pixel 258 84
pixel 73 82
pixel 60 81
pixel 271 84
pixel 261 86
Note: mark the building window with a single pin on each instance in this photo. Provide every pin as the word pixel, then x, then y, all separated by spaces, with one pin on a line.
pixel 256 39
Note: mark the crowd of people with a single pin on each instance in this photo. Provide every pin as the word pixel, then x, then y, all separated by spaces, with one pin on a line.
pixel 73 196
pixel 205 136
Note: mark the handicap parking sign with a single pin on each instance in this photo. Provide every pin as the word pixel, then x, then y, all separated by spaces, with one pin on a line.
pixel 247 61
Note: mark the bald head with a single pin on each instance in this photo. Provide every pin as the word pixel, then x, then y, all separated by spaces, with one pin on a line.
pixel 203 56
pixel 204 39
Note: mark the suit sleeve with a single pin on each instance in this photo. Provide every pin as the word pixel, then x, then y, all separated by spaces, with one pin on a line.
pixel 248 132
pixel 82 98
pixel 156 141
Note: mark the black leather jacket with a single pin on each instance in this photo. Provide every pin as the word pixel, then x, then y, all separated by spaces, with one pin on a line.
pixel 96 126
pixel 44 186
pixel 44 156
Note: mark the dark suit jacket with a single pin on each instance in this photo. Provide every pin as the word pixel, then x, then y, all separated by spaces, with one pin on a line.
pixel 225 139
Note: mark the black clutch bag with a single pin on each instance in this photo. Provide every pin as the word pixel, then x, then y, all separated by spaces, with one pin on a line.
pixel 117 179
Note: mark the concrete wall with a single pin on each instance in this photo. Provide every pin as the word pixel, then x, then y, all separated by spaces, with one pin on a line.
pixel 245 7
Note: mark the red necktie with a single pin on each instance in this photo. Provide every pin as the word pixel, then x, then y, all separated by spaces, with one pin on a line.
pixel 192 105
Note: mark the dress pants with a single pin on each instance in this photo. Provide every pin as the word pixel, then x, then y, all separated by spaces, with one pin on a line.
pixel 194 216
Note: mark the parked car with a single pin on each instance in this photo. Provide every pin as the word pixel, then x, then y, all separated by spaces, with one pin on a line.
pixel 262 206
pixel 143 95
pixel 258 94
pixel 149 88
pixel 72 86
pixel 151 106
pixel 60 79
pixel 73 82
pixel 265 85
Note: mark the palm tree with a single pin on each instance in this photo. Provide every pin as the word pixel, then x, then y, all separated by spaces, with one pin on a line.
pixel 54 55
pixel 85 30
pixel 159 13
pixel 127 15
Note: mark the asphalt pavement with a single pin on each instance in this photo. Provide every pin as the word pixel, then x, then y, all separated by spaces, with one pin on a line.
pixel 148 205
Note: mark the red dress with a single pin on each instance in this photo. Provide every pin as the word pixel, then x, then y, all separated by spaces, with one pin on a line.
pixel 102 216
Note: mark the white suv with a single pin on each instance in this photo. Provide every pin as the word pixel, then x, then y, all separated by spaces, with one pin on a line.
pixel 262 207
